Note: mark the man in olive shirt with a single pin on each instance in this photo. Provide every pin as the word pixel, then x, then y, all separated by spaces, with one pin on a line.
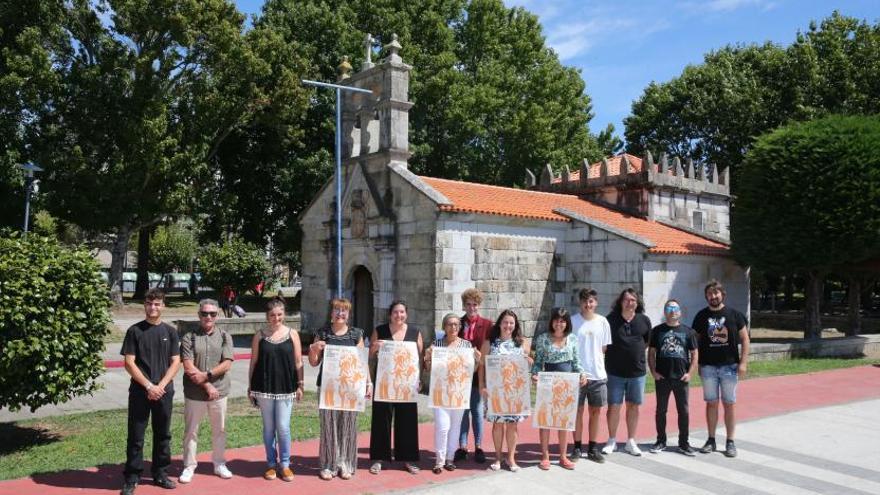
pixel 152 358
pixel 207 357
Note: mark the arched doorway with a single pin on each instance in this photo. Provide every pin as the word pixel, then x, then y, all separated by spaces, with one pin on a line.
pixel 362 299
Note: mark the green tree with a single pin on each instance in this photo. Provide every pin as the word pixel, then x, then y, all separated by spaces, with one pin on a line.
pixel 491 99
pixel 53 319
pixel 29 33
pixel 172 248
pixel 236 263
pixel 149 89
pixel 714 111
pixel 809 202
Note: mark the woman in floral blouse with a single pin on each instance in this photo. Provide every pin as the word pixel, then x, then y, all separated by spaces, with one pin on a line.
pixel 556 350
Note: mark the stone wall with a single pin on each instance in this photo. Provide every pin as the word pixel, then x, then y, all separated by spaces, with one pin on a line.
pixel 606 262
pixel 414 270
pixel 685 277
pixel 512 261
pixel 677 208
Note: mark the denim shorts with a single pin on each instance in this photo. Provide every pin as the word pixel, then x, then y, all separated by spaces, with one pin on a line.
pixel 717 378
pixel 633 389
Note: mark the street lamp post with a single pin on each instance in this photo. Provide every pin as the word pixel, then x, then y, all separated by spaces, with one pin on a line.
pixel 29 182
pixel 339 89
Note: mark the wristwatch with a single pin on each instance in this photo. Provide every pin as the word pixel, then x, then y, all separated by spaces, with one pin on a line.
pixel 210 375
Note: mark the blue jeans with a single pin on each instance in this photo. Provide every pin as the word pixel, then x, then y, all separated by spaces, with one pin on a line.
pixel 475 412
pixel 719 378
pixel 276 426
pixel 632 389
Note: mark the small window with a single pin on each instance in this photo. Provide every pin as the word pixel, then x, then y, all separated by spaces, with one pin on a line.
pixel 698 221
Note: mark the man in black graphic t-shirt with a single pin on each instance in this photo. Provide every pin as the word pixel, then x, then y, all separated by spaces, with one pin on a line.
pixel 721 332
pixel 672 357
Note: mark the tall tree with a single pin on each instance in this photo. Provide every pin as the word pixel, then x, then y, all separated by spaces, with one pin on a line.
pixel 149 91
pixel 809 202
pixel 29 34
pixel 491 100
pixel 714 111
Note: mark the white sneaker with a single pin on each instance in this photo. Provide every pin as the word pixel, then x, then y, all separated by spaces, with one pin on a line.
pixel 223 471
pixel 632 447
pixel 187 475
pixel 610 447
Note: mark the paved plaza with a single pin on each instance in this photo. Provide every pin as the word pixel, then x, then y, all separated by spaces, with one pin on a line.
pixel 809 433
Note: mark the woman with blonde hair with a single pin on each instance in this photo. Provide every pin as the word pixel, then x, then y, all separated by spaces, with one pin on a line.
pixel 337 451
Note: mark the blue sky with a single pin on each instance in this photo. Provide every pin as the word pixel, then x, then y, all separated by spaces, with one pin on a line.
pixel 622 45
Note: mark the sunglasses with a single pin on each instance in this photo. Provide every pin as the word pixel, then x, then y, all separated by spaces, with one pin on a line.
pixel 205 314
pixel 672 309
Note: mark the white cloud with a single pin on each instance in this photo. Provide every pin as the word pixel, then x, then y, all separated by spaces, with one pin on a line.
pixel 573 39
pixel 727 5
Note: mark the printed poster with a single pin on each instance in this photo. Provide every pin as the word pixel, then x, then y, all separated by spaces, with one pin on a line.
pixel 556 400
pixel 344 375
pixel 397 372
pixel 509 385
pixel 452 371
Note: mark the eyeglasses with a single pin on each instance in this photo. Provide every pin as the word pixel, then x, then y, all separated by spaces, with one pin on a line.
pixel 206 314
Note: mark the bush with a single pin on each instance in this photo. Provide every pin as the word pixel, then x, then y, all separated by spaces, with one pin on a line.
pixel 53 319
pixel 235 263
pixel 172 248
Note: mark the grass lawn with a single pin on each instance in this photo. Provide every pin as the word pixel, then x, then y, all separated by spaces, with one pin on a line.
pixel 758 369
pixel 90 439
pixel 77 441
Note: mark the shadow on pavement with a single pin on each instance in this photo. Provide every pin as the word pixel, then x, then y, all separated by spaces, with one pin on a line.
pixel 103 477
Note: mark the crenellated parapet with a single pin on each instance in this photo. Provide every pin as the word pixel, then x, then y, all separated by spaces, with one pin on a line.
pixel 628 172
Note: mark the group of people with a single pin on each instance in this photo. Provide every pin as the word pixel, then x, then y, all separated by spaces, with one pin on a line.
pixel 612 356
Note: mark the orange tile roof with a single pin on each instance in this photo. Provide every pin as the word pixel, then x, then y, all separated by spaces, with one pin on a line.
pixel 467 197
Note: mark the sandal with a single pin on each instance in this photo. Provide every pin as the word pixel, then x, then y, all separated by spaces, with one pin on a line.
pixel 376 468
pixel 412 468
pixel 437 469
pixel 495 466
pixel 567 464
pixel 544 465
pixel 325 475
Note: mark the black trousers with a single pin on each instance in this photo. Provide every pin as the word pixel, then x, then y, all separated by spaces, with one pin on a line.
pixel 139 410
pixel 680 390
pixel 405 418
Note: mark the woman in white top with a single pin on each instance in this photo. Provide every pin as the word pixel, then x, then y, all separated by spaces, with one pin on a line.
pixel 447 422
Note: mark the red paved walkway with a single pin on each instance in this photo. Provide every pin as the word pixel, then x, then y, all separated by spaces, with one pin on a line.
pixel 757 398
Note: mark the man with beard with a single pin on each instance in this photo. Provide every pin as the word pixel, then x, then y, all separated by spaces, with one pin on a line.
pixel 721 331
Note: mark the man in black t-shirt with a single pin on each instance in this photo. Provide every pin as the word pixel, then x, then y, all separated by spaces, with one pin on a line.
pixel 672 357
pixel 626 367
pixel 721 332
pixel 152 358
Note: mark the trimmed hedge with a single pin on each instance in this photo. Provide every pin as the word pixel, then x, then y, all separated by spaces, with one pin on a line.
pixel 54 314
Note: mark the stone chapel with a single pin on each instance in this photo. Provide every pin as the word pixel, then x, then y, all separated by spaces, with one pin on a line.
pixel 659 227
